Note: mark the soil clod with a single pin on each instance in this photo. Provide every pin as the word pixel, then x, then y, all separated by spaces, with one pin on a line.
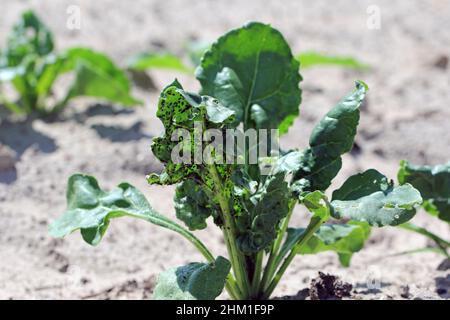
pixel 441 62
pixel 329 287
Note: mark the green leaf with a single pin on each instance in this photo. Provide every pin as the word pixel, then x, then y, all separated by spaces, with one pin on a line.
pixel 370 197
pixel 362 184
pixel 97 76
pixel 193 281
pixel 250 66
pixel 332 137
pixel 90 209
pixel 311 59
pixel 93 82
pixel 288 163
pixel 433 183
pixel 52 67
pixel 192 205
pixel 147 61
pixel 259 213
pixel 344 239
pixel 316 202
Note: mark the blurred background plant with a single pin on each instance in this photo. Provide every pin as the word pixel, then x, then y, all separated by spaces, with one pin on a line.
pixel 31 65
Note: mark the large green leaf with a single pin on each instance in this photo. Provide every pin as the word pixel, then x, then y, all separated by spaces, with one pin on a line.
pixel 332 137
pixel 310 59
pixel 344 239
pixel 369 197
pixel 148 61
pixel 93 82
pixel 433 183
pixel 90 210
pixel 251 70
pixel 193 281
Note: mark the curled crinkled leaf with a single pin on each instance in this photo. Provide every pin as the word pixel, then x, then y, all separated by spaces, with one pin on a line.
pixel 433 183
pixel 331 138
pixel 260 213
pixel 202 281
pixel 316 202
pixel 192 205
pixel 251 70
pixel 185 116
pixel 370 197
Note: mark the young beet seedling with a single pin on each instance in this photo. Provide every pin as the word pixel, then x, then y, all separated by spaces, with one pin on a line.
pixel 249 80
pixel 29 63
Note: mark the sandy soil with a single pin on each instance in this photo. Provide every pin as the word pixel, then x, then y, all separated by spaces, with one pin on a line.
pixel 407 116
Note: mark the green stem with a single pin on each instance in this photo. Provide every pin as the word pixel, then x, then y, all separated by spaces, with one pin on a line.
pixel 232 289
pixel 185 233
pixel 230 284
pixel 271 262
pixel 229 231
pixel 13 107
pixel 442 244
pixel 256 281
pixel 284 226
pixel 314 224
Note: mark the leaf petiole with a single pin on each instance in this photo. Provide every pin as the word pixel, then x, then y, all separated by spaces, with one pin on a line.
pixel 313 226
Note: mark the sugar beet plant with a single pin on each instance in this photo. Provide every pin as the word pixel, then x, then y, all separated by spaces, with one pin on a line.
pixel 31 66
pixel 249 80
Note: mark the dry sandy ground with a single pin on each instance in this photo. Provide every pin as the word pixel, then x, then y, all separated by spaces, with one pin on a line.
pixel 407 116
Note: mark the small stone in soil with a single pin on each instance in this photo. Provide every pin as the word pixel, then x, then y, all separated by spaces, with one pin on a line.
pixel 329 287
pixel 405 293
pixel 444 265
pixel 441 62
pixel 7 158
